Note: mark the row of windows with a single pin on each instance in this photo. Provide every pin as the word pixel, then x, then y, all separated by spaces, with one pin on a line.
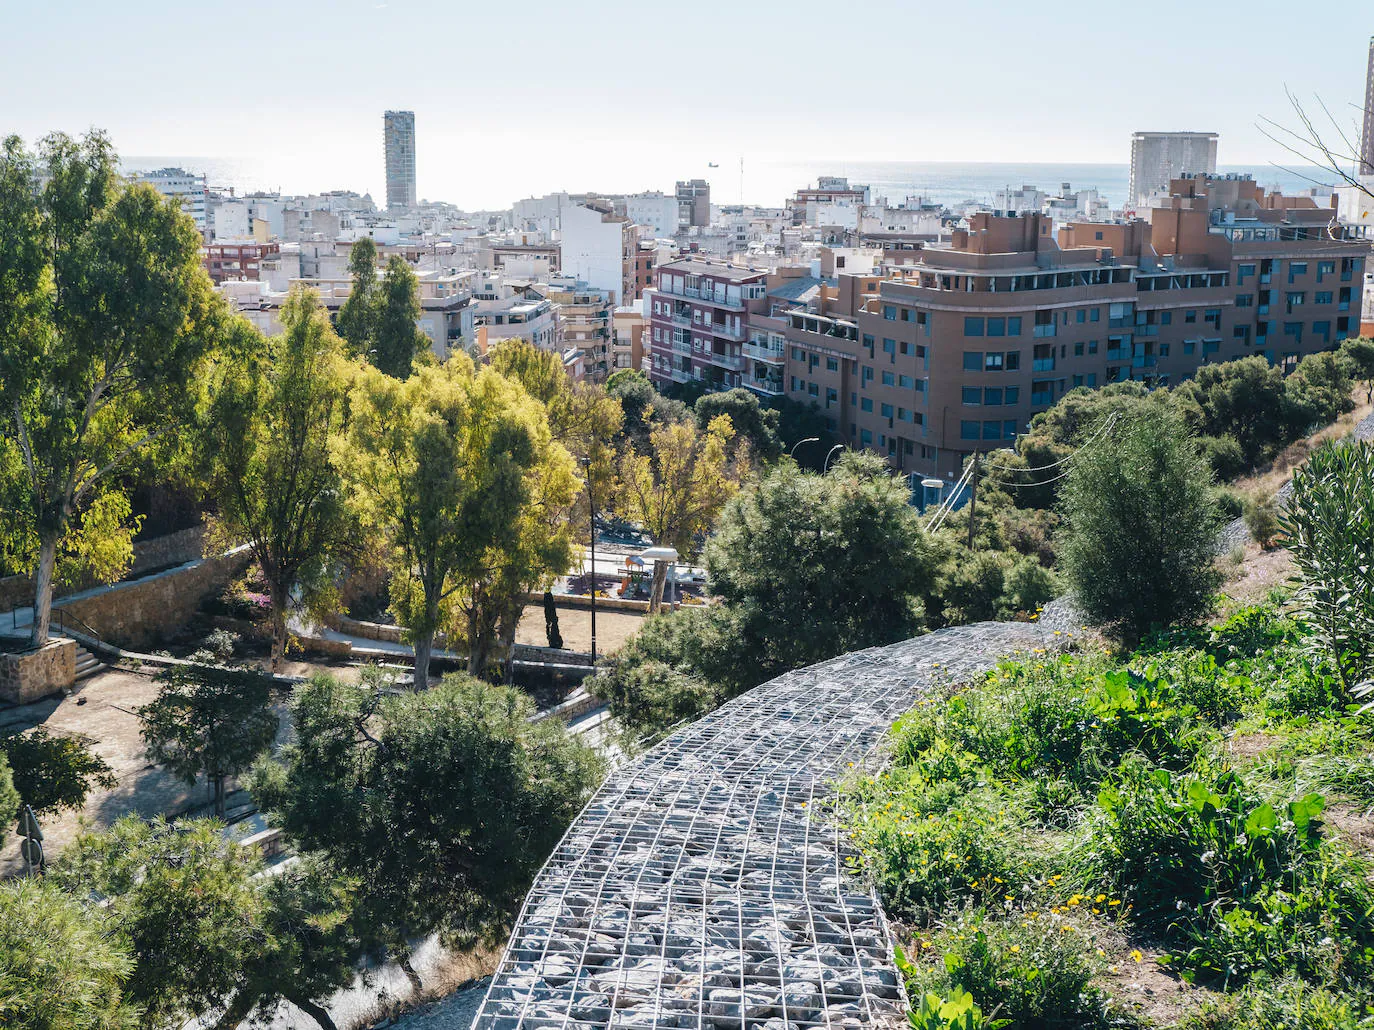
pixel 994 429
pixel 991 395
pixel 991 361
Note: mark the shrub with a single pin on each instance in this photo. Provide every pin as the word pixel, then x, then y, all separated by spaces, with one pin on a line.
pixel 1286 1005
pixel 1030 972
pixel 1262 519
pixel 1028 586
pixel 1229 502
pixel 923 860
pixel 1225 456
pixel 1330 528
pixel 933 1012
pixel 1141 519
pixel 1196 681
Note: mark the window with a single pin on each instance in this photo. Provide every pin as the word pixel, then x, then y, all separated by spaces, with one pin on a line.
pixel 992 430
pixel 921 351
pixel 868 342
pixel 1325 268
pixel 1212 316
pixel 1163 350
pixel 1013 360
pixel 1092 380
pixel 973 327
pixel 1078 350
pixel 1009 429
pixel 1243 272
pixel 1293 329
pixel 1295 299
pixel 906 315
pixel 1093 314
pixel 794 387
pixel 866 438
pixel 905 346
pixel 1097 235
pixel 889 379
pixel 1012 394
pixel 866 404
pixel 1322 330
pixel 1014 325
pixel 1189 346
pixel 1190 317
pixel 997 327
pixel 906 382
pixel 973 361
pixel 813 389
pixel 885 410
pixel 903 415
pixel 1166 318
pixel 972 395
pixel 1082 315
pixel 1077 381
pixel 798 354
pixel 1241 333
pixel 1295 269
pixel 920 386
pixel 968 430
pixel 1092 346
pixel 992 361
pixel 1323 297
pixel 832 364
pixel 868 374
pixel 889 313
pixel 889 346
pixel 1245 300
pixel 992 395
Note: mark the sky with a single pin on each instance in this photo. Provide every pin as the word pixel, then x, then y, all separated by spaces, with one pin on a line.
pixel 514 99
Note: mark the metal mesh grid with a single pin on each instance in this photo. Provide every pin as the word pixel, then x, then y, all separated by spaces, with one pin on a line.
pixel 702 887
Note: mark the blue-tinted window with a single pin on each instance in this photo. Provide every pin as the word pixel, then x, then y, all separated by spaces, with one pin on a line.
pixel 1012 394
pixel 890 346
pixel 973 361
pixel 885 410
pixel 906 382
pixel 1014 326
pixel 969 430
pixel 972 395
pixel 1009 429
pixel 992 396
pixel 992 430
pixel 866 404
pixel 997 327
pixel 973 327
pixel 889 379
pixel 889 313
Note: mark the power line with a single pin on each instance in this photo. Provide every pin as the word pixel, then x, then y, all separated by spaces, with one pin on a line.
pixel 1068 457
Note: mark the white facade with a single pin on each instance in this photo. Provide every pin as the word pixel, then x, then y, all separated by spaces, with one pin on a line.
pixel 592 249
pixel 177 182
pixel 232 221
pixel 1157 157
pixel 540 214
pixel 655 211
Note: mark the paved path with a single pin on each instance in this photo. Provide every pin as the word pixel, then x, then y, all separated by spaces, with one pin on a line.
pixel 704 885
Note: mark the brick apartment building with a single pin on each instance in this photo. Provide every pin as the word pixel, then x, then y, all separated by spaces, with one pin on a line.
pixel 241 260
pixel 954 350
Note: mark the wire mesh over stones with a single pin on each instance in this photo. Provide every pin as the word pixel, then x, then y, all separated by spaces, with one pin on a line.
pixel 705 884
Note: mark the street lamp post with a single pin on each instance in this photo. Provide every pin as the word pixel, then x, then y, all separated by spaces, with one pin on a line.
pixel 837 447
pixel 810 439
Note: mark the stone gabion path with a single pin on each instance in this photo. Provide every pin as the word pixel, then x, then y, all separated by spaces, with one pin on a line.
pixel 705 886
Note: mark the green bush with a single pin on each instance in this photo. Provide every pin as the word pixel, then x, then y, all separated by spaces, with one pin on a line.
pixel 1286 1005
pixel 1030 973
pixel 1262 519
pixel 1028 586
pixel 1141 518
pixel 1329 523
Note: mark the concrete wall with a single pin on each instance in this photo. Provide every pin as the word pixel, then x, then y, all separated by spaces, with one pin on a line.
pixel 29 675
pixel 143 612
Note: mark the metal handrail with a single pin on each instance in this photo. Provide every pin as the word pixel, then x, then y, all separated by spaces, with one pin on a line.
pixel 64 617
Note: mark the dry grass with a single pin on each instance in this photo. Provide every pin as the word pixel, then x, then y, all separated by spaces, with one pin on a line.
pixel 1264 482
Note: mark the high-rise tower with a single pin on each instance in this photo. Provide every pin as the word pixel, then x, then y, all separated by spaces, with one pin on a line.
pixel 1367 137
pixel 399 132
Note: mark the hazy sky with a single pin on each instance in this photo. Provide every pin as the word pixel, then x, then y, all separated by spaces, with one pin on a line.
pixel 519 98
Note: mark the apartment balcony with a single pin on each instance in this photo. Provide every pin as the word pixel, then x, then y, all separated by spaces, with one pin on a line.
pixel 769 387
pixel 1147 361
pixel 1042 365
pixel 682 346
pixel 1117 353
pixel 764 351
pixel 1043 399
pixel 729 333
pixel 1044 330
pixel 680 375
pixel 734 362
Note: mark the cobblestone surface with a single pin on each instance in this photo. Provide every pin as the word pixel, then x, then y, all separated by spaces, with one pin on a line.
pixel 703 886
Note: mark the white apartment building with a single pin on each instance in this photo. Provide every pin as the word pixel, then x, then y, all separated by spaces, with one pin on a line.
pixel 1158 157
pixel 178 182
pixel 508 309
pixel 595 247
pixel 656 212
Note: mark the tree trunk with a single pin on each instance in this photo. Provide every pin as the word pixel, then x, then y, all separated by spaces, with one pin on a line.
pixel 219 779
pixel 417 985
pixel 660 578
pixel 423 645
pixel 318 1013
pixel 42 592
pixel 279 605
pixel 508 628
pixel 235 1014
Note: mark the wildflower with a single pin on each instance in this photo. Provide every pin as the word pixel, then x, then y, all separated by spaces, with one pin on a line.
pixel 1113 902
pixel 1100 898
pixel 1015 948
pixel 1136 956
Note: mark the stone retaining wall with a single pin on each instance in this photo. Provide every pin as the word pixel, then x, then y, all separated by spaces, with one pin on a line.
pixel 171 549
pixel 29 675
pixel 706 886
pixel 143 612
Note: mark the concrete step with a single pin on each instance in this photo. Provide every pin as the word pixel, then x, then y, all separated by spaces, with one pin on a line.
pixel 87 664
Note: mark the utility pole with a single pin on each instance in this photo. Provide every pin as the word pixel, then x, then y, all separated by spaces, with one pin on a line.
pixel 972 498
pixel 591 509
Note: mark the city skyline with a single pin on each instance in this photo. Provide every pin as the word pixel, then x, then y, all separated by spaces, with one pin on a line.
pixel 486 127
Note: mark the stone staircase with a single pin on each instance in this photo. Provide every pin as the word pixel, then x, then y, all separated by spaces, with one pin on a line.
pixel 87 664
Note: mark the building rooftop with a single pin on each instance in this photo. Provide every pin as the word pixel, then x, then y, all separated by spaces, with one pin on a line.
pixel 715 269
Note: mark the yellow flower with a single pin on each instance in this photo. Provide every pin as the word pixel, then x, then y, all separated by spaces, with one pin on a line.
pixel 1100 898
pixel 1113 903
pixel 1009 897
pixel 1136 956
pixel 1015 948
